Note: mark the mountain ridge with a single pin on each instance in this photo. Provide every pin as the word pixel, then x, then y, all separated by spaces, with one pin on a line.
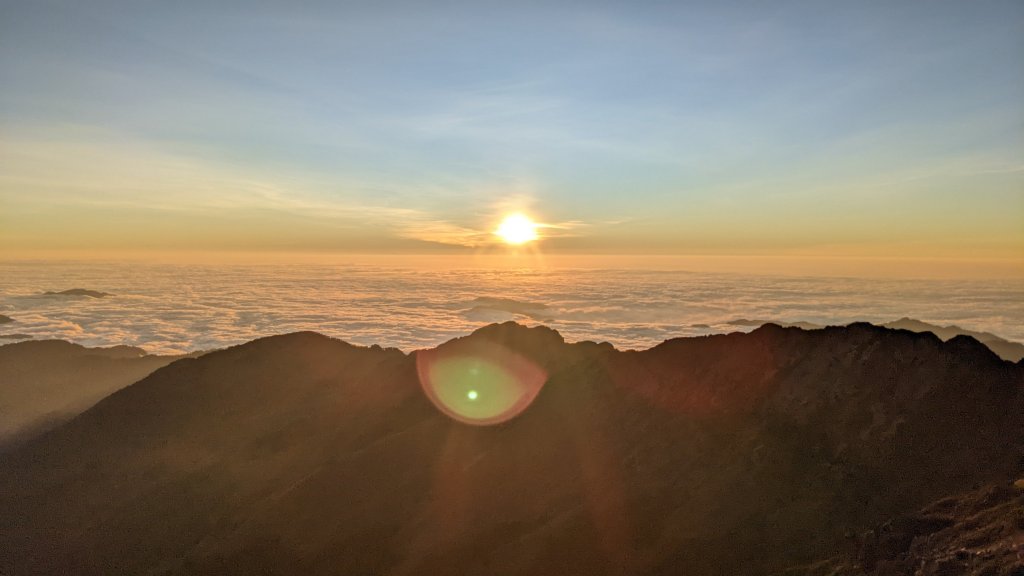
pixel 723 454
pixel 1006 349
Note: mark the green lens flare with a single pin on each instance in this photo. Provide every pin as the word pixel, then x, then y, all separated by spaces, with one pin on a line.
pixel 479 383
pixel 473 387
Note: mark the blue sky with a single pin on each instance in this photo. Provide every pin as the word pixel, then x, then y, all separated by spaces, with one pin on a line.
pixel 848 128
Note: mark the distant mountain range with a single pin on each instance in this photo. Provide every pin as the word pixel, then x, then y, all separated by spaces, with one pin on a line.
pixel 78 292
pixel 47 382
pixel 43 384
pixel 779 450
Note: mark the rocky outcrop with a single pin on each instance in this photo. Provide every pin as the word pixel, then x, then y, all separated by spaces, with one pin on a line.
pixel 978 532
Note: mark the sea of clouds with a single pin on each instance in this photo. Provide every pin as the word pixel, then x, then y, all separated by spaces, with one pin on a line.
pixel 178 308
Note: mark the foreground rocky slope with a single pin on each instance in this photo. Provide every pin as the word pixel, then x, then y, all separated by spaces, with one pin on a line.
pixel 733 454
pixel 979 532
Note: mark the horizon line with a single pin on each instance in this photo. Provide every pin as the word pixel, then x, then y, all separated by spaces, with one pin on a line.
pixel 792 264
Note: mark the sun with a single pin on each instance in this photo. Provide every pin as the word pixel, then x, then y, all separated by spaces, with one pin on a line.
pixel 517 229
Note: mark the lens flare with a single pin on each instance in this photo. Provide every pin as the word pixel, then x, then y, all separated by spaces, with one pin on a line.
pixel 479 383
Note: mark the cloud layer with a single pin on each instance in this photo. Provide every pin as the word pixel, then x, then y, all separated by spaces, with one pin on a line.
pixel 176 308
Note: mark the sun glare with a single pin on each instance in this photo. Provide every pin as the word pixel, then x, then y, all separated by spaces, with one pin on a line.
pixel 517 229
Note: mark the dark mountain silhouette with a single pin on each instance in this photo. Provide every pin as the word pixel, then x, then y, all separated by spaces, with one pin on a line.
pixel 727 454
pixel 1005 349
pixel 5 319
pixel 1012 351
pixel 47 382
pixel 79 292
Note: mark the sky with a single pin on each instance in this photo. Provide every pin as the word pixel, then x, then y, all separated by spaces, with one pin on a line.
pixel 820 130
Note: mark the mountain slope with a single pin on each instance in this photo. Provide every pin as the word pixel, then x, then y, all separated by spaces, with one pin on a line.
pixel 47 382
pixel 733 454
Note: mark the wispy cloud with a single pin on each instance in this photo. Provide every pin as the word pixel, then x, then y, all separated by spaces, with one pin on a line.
pixel 101 171
pixel 104 171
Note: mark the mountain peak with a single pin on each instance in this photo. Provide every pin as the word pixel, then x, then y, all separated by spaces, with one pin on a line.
pixel 539 343
pixel 511 331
